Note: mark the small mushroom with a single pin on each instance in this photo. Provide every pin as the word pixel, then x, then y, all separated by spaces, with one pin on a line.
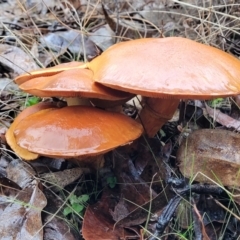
pixel 45 72
pixel 166 70
pixel 76 85
pixel 72 83
pixel 75 131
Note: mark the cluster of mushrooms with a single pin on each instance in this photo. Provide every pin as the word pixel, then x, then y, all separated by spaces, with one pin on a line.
pixel 162 70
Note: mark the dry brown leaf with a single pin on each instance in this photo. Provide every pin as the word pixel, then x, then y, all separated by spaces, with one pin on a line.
pixel 20 216
pixel 98 222
pixel 8 188
pixel 20 172
pixel 16 59
pixel 57 228
pixel 213 152
pixel 58 180
pixel 71 40
pixel 223 119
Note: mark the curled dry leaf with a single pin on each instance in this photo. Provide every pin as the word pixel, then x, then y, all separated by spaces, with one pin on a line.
pixel 58 180
pixel 20 219
pixel 214 153
pixel 223 119
pixel 16 59
pixel 71 40
pixel 20 172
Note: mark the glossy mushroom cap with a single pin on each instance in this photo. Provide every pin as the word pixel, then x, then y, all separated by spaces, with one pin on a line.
pixel 168 68
pixel 75 131
pixel 45 72
pixel 22 152
pixel 72 83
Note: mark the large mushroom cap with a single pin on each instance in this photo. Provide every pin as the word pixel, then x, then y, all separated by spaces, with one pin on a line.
pixel 75 131
pixel 169 67
pixel 72 83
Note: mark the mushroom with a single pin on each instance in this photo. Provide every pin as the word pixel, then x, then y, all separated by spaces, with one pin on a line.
pixel 166 70
pixel 75 131
pixel 22 152
pixel 72 84
pixel 45 72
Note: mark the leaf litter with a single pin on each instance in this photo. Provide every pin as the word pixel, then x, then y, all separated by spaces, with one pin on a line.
pixel 44 33
pixel 21 214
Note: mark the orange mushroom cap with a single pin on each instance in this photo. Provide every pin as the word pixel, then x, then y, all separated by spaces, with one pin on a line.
pixel 44 72
pixel 171 67
pixel 72 83
pixel 75 131
pixel 22 152
pixel 166 70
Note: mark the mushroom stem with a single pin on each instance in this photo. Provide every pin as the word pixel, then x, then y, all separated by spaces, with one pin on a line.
pixel 72 101
pixel 156 112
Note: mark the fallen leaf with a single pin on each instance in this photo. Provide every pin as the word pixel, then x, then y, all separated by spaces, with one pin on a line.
pixel 98 223
pixel 21 218
pixel 57 228
pixel 103 37
pixel 129 27
pixel 20 215
pixel 214 153
pixel 20 172
pixel 71 40
pixel 58 180
pixel 8 188
pixel 16 59
pixel 8 85
pixel 223 119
